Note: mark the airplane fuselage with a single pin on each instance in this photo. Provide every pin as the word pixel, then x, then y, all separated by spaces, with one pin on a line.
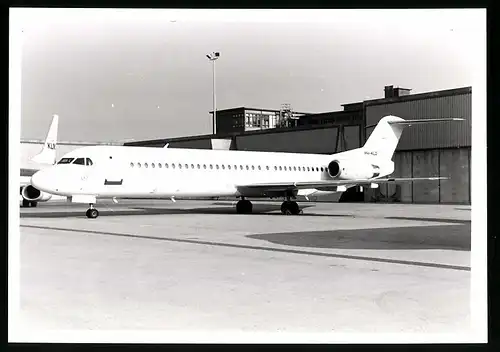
pixel 138 172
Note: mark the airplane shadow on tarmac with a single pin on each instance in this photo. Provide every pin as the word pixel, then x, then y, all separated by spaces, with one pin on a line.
pixel 452 237
pixel 258 209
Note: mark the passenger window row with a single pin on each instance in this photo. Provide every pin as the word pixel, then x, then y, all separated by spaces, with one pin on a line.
pixel 228 167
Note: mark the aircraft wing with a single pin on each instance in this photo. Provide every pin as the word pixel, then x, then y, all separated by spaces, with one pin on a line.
pixel 285 186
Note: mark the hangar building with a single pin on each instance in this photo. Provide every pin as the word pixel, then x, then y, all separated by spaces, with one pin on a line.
pixel 423 150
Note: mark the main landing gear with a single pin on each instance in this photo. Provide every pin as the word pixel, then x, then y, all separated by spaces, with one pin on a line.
pixel 244 206
pixel 92 212
pixel 290 207
pixel 28 203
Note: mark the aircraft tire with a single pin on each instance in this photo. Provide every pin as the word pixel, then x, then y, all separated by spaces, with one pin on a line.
pixel 92 213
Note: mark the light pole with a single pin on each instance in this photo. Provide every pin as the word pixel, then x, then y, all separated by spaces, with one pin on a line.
pixel 212 57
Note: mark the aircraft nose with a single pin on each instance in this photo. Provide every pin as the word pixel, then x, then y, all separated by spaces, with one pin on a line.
pixel 43 181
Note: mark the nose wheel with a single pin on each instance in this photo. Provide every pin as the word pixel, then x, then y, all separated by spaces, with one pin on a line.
pixel 290 207
pixel 92 212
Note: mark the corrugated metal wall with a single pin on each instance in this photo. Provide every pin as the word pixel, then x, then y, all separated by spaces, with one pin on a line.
pixel 426 164
pixel 455 163
pixel 452 163
pixel 443 135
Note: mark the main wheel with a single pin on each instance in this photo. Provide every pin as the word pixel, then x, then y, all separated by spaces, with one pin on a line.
pixel 92 213
pixel 290 208
pixel 244 207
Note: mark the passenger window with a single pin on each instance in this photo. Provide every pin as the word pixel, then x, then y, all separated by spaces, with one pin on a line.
pixel 160 165
pixel 322 169
pixel 173 166
pixel 236 167
pixel 258 167
pixel 284 167
pixel 153 165
pixel 223 167
pixel 66 160
pixel 241 167
pixel 267 167
pixel 79 161
pixel 204 166
pixel 253 168
pixel 247 167
pixel 180 166
pixel 217 166
pixel 131 164
pixel 146 165
pixel 211 166
pixel 198 166
pixel 187 166
pixel 308 168
pixel 229 167
pixel 138 164
pixel 281 168
pixel 275 168
pixel 295 168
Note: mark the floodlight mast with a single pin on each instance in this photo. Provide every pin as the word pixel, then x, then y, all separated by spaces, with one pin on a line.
pixel 213 57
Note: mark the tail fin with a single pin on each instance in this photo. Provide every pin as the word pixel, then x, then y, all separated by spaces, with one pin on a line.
pixel 385 137
pixel 48 153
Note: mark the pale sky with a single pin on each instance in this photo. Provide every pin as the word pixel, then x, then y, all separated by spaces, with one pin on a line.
pixel 142 74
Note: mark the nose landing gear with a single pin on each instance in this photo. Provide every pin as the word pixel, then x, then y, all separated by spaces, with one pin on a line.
pixel 92 212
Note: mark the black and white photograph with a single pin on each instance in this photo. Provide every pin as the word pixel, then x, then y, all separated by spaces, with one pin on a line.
pixel 247 176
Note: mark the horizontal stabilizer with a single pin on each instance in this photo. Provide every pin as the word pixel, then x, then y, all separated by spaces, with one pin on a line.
pixel 412 122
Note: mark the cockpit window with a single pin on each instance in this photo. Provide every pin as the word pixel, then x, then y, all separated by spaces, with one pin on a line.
pixel 66 160
pixel 89 161
pixel 80 161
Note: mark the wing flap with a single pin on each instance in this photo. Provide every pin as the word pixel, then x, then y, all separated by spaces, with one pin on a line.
pixel 285 186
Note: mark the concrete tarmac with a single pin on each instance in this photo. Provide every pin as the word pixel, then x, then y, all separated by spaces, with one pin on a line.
pixel 197 265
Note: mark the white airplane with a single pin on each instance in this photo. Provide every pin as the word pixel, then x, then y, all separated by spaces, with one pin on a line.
pixel 47 157
pixel 89 173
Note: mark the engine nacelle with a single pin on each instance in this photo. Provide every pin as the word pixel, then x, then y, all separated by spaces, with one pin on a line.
pixel 351 170
pixel 34 195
